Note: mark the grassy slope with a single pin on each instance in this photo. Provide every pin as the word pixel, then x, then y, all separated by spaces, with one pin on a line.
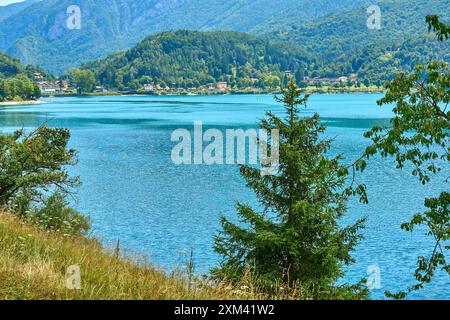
pixel 33 265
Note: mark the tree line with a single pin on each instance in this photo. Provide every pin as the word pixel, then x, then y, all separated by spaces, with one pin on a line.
pixel 19 88
pixel 15 80
pixel 190 59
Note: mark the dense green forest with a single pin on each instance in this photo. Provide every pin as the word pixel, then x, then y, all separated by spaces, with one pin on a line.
pixel 10 67
pixel 16 80
pixel 193 59
pixel 19 88
pixel 343 44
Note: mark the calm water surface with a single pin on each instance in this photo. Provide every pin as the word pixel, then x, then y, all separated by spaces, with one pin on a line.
pixel 134 193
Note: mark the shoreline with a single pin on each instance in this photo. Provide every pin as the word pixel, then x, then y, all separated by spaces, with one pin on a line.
pixel 216 93
pixel 21 103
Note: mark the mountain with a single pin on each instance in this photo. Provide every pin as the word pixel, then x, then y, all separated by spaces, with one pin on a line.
pixel 192 58
pixel 333 32
pixel 38 34
pixel 256 17
pixel 342 42
pixel 12 9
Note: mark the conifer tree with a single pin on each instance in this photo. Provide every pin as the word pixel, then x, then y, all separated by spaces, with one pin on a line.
pixel 296 239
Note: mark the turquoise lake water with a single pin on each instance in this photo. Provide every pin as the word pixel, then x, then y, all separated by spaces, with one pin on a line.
pixel 134 192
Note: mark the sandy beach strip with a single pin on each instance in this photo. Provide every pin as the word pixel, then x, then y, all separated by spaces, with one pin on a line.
pixel 20 103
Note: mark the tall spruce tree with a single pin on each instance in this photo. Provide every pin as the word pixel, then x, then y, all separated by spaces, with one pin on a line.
pixel 296 239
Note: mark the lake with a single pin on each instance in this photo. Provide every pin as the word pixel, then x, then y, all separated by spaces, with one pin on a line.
pixel 134 192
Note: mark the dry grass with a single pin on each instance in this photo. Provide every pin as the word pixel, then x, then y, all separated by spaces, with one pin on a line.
pixel 33 265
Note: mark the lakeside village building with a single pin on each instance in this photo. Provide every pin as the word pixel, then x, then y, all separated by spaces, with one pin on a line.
pixel 48 87
pixel 219 86
pixel 53 87
pixel 63 86
pixel 222 85
pixel 325 81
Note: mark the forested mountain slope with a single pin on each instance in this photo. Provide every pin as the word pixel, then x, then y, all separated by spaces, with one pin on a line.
pixel 343 43
pixel 14 8
pixel 192 58
pixel 39 34
pixel 333 32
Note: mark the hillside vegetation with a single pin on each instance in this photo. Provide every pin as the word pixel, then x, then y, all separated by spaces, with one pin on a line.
pixel 192 58
pixel 16 80
pixel 10 67
pixel 14 8
pixel 334 34
pixel 33 265
pixel 38 34
pixel 42 238
pixel 341 42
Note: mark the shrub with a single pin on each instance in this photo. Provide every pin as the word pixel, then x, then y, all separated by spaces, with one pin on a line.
pixel 55 215
pixel 34 164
